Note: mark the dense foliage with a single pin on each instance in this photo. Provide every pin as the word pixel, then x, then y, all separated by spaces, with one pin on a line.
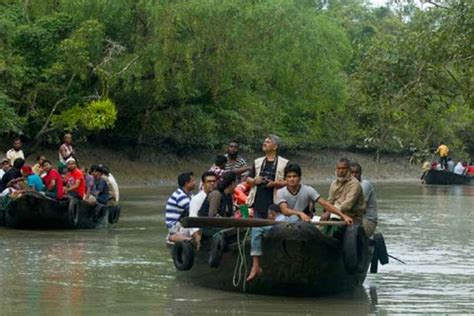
pixel 182 74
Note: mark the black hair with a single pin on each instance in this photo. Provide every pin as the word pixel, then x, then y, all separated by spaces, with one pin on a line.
pixel 93 168
pixel 47 161
pixel 234 141
pixel 220 160
pixel 38 157
pixel 292 167
pixel 104 169
pixel 184 178
pixel 207 174
pixel 345 161
pixel 227 179
pixel 16 139
pixel 355 164
pixel 274 208
pixel 18 163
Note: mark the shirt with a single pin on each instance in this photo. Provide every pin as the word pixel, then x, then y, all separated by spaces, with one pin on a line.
pixel 369 195
pixel 72 177
pixel 177 204
pixel 443 151
pixel 35 182
pixel 238 163
pixel 100 190
pixel 53 175
pixel 8 176
pixel 299 201
pixel 348 197
pixel 1 173
pixel 195 205
pixel 12 155
pixel 67 152
pixel 459 169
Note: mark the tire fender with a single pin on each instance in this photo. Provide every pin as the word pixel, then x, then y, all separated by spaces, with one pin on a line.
pixel 182 253
pixel 217 249
pixel 354 249
pixel 114 214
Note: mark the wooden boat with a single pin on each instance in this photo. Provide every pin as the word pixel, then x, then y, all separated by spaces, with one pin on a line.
pixel 34 210
pixel 444 177
pixel 298 260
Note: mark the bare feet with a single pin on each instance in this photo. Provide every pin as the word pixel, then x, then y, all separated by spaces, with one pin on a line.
pixel 254 273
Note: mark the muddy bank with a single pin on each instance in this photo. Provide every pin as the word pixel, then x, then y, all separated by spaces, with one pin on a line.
pixel 159 169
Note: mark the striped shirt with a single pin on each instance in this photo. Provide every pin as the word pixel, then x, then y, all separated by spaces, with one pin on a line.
pixel 177 203
pixel 239 162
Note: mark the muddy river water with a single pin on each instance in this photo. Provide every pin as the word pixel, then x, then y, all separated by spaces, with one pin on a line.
pixel 126 269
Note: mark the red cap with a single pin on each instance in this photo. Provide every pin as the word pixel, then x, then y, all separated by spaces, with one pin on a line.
pixel 26 169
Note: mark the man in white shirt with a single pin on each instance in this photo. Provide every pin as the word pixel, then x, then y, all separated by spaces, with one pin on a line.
pixel 209 181
pixel 16 151
pixel 460 168
pixel 4 166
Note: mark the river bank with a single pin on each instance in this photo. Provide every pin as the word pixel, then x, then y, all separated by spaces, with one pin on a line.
pixel 157 168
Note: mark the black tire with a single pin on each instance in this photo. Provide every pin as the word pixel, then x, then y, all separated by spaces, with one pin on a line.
pixel 217 249
pixel 380 248
pixel 114 214
pixel 374 265
pixel 355 249
pixel 72 214
pixel 182 253
pixel 10 220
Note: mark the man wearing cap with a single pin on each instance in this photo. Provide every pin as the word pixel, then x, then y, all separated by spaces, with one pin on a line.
pixel 16 151
pixel 75 181
pixel 33 181
pixel 4 166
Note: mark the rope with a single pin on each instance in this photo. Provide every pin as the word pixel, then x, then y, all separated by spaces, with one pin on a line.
pixel 241 263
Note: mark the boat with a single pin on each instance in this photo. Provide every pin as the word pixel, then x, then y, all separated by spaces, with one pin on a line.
pixel 443 177
pixel 35 210
pixel 298 260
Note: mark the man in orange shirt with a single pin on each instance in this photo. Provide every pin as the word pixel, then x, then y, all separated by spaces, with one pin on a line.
pixel 443 152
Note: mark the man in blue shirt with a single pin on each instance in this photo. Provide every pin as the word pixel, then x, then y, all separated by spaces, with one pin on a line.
pixel 99 189
pixel 33 181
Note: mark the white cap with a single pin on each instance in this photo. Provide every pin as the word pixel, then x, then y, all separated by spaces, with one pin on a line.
pixel 70 160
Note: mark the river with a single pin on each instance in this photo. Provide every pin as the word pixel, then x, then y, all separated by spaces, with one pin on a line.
pixel 127 269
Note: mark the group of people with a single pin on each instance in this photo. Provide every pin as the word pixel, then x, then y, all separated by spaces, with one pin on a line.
pixel 272 187
pixel 98 186
pixel 447 164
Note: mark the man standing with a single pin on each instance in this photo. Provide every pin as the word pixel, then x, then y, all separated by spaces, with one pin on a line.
pixel 443 152
pixel 369 220
pixel 16 151
pixel 75 181
pixel 345 193
pixel 65 150
pixel 294 201
pixel 235 162
pixel 177 206
pixel 266 177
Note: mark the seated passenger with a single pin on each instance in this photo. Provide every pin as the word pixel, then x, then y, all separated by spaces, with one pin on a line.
pixel 208 180
pixel 369 220
pixel 9 179
pixel 177 206
pixel 219 167
pixel 75 181
pixel 4 167
pixel 37 168
pixel 53 181
pixel 33 181
pixel 460 168
pixel 470 169
pixel 113 187
pixel 100 190
pixel 220 202
pixel 345 193
pixel 294 202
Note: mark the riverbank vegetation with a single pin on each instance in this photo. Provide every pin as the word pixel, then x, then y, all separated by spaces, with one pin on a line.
pixel 179 75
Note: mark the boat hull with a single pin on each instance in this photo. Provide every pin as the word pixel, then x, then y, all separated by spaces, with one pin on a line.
pixel 34 210
pixel 298 260
pixel 442 177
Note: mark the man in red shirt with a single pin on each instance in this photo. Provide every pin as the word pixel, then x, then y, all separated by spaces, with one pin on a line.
pixel 53 181
pixel 75 182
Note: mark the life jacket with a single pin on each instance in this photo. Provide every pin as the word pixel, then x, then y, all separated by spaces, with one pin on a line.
pixel 279 175
pixel 240 194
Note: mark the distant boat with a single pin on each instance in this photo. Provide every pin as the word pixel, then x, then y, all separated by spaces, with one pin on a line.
pixel 298 260
pixel 443 177
pixel 34 210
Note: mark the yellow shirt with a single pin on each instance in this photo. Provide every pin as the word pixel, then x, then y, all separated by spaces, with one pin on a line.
pixel 443 151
